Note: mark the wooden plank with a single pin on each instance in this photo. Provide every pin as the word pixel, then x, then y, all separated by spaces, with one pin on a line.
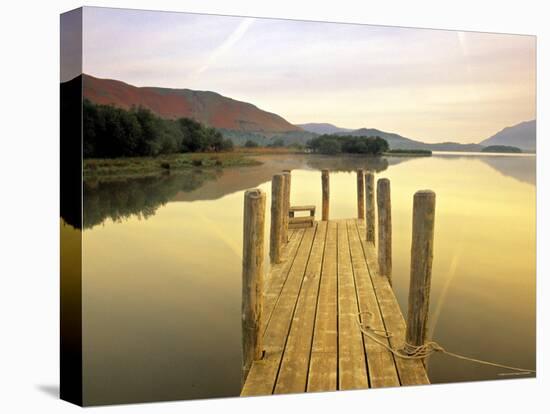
pixel 290 234
pixel 380 361
pixel 300 226
pixel 411 372
pixel 302 208
pixel 306 219
pixel 352 369
pixel 263 373
pixel 294 366
pixel 324 352
pixel 278 275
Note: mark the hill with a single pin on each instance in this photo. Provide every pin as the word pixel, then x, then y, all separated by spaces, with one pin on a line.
pixel 242 121
pixel 210 108
pixel 323 128
pixel 522 135
pixel 502 149
pixel 397 141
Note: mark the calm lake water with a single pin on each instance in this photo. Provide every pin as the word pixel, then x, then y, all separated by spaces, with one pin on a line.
pixel 162 268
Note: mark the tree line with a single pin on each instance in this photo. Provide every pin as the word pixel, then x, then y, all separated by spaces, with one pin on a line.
pixel 335 144
pixel 111 132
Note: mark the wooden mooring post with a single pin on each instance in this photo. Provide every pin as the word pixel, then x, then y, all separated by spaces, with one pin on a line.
pixel 383 201
pixel 325 184
pixel 369 203
pixel 421 266
pixel 286 206
pixel 252 278
pixel 360 193
pixel 277 217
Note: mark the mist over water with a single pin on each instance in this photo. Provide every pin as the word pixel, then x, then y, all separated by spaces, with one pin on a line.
pixel 162 268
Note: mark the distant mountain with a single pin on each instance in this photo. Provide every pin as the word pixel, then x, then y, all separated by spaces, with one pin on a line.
pixel 323 128
pixel 522 135
pixel 397 141
pixel 242 121
pixel 207 107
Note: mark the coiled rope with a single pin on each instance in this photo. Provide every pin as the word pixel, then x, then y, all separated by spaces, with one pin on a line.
pixel 409 351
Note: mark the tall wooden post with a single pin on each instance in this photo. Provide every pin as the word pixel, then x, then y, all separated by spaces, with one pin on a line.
pixel 286 205
pixel 384 227
pixel 360 194
pixel 369 203
pixel 325 184
pixel 277 218
pixel 252 277
pixel 421 266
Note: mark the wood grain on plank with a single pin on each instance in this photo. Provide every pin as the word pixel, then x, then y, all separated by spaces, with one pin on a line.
pixel 263 373
pixel 352 369
pixel 411 372
pixel 380 361
pixel 324 352
pixel 279 273
pixel 294 366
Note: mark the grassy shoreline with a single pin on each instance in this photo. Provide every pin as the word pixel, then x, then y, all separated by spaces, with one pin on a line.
pixel 148 166
pixel 128 167
pixel 408 153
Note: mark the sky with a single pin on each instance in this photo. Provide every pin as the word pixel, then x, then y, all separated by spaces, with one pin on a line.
pixel 431 85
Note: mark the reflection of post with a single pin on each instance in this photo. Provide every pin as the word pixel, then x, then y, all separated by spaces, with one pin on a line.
pixel 277 217
pixel 384 227
pixel 325 184
pixel 360 194
pixel 252 277
pixel 369 203
pixel 421 266
pixel 288 186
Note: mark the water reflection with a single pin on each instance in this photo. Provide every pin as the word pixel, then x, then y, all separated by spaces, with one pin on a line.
pixel 519 168
pixel 141 197
pixel 161 296
pixel 119 199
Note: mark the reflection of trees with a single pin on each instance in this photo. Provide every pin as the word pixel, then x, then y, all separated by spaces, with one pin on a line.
pixel 522 169
pixel 140 197
pixel 348 163
pixel 119 199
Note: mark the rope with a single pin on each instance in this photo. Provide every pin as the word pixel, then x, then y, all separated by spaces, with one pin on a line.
pixel 409 351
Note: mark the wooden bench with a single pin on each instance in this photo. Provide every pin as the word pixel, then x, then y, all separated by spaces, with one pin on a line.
pixel 294 209
pixel 299 222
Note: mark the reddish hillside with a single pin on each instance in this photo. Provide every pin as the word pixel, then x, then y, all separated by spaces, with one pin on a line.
pixel 208 107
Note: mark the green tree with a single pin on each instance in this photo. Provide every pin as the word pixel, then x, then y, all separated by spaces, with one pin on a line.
pixel 251 144
pixel 277 143
pixel 111 132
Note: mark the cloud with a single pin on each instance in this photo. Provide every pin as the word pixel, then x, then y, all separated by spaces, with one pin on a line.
pixel 431 84
pixel 228 43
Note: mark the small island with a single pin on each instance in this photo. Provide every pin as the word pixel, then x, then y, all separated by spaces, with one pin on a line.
pixel 409 152
pixel 332 144
pixel 502 149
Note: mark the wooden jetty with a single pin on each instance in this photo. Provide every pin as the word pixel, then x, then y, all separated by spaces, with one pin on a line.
pixel 302 327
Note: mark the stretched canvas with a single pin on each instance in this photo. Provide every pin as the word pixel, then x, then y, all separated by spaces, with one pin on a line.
pixel 255 206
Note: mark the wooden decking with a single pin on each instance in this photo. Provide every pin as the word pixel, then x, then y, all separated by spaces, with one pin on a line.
pixel 312 341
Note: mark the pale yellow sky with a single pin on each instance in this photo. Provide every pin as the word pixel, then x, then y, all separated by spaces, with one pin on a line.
pixel 432 85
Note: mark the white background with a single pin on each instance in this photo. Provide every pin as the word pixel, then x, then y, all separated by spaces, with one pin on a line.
pixel 29 207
